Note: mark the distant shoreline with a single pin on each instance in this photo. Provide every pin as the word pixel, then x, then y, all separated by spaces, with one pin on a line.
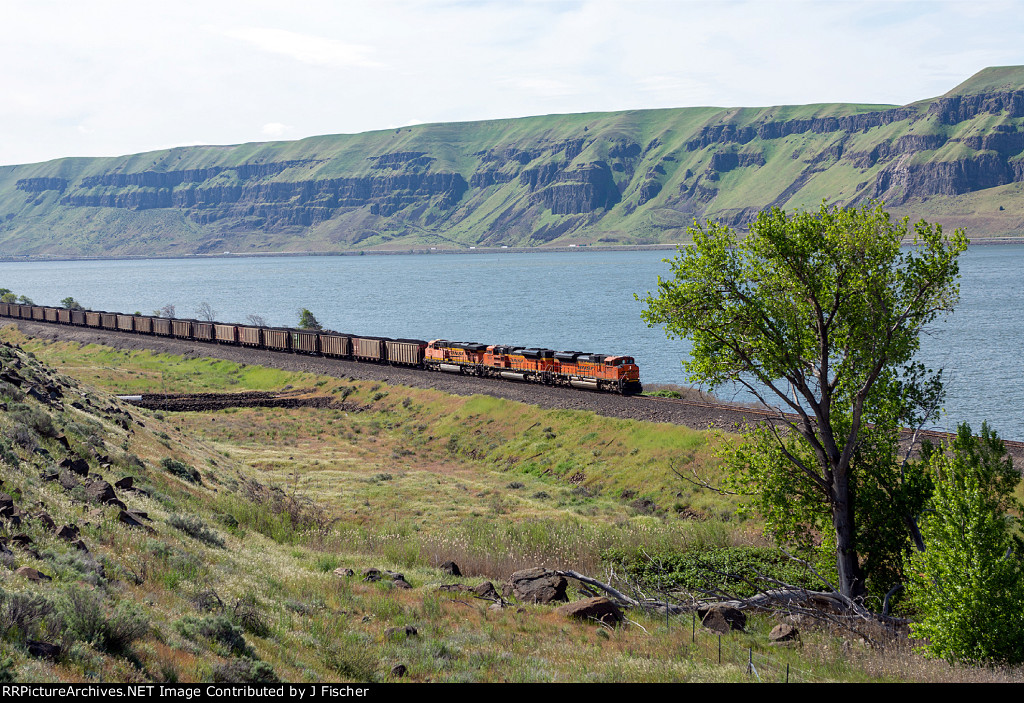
pixel 416 251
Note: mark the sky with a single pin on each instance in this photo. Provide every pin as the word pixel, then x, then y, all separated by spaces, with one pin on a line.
pixel 108 77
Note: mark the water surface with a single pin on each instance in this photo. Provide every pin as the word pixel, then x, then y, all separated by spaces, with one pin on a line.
pixel 566 300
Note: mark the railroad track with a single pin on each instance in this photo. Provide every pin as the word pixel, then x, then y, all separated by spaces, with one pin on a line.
pixel 690 413
pixel 1015 447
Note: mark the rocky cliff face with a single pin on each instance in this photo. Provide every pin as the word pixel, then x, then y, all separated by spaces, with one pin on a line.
pixel 642 176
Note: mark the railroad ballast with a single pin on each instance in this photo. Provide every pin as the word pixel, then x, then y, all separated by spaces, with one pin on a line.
pixel 600 372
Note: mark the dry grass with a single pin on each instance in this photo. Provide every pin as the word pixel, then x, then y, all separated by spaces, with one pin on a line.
pixel 296 494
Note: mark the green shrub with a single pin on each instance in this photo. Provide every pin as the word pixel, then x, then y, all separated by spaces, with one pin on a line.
pixel 225 636
pixel 87 619
pixel 22 615
pixel 736 571
pixel 181 470
pixel 244 670
pixel 194 527
pixel 968 585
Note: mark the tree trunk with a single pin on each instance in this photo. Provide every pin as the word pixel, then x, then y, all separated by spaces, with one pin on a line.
pixel 851 578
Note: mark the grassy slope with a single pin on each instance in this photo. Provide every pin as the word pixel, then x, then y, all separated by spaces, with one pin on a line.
pixel 394 485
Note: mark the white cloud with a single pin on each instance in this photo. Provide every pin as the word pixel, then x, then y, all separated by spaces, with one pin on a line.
pixel 306 48
pixel 275 129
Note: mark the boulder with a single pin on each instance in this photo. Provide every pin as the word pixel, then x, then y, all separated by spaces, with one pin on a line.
pixel 599 608
pixel 722 619
pixel 343 572
pixel 398 670
pixel 100 492
pixel 485 590
pixel 76 464
pixel 46 520
pixel 44 650
pixel 783 633
pixel 31 574
pixel 68 533
pixel 127 518
pixel 126 483
pixel 451 568
pixel 537 585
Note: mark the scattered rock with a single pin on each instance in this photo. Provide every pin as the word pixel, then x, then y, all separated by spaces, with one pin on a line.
pixel 342 573
pixel 486 590
pixel 401 583
pixel 783 633
pixel 599 608
pixel 21 540
pixel 537 585
pixel 126 483
pixel 398 670
pixel 451 568
pixel 44 650
pixel 100 492
pixel 68 480
pixel 68 532
pixel 722 619
pixel 31 574
pixel 400 632
pixel 131 520
pixel 46 520
pixel 76 464
pixel 371 574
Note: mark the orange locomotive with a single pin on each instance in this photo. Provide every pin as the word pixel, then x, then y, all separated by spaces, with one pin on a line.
pixel 599 372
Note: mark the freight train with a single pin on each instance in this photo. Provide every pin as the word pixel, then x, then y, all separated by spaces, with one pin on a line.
pixel 599 372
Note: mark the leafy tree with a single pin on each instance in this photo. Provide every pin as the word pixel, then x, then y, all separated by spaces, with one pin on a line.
pixel 8 297
pixel 819 315
pixel 25 300
pixel 968 586
pixel 70 303
pixel 307 321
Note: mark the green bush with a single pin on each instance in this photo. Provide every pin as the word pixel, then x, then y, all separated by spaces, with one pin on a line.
pixel 739 572
pixel 968 584
pixel 194 527
pixel 181 470
pixel 244 670
pixel 87 619
pixel 225 636
pixel 22 616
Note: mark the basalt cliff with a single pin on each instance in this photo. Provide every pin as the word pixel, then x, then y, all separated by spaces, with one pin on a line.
pixel 632 177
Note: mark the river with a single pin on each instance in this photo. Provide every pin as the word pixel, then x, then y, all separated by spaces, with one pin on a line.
pixel 567 300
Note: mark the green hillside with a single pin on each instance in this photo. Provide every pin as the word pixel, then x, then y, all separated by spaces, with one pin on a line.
pixel 635 177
